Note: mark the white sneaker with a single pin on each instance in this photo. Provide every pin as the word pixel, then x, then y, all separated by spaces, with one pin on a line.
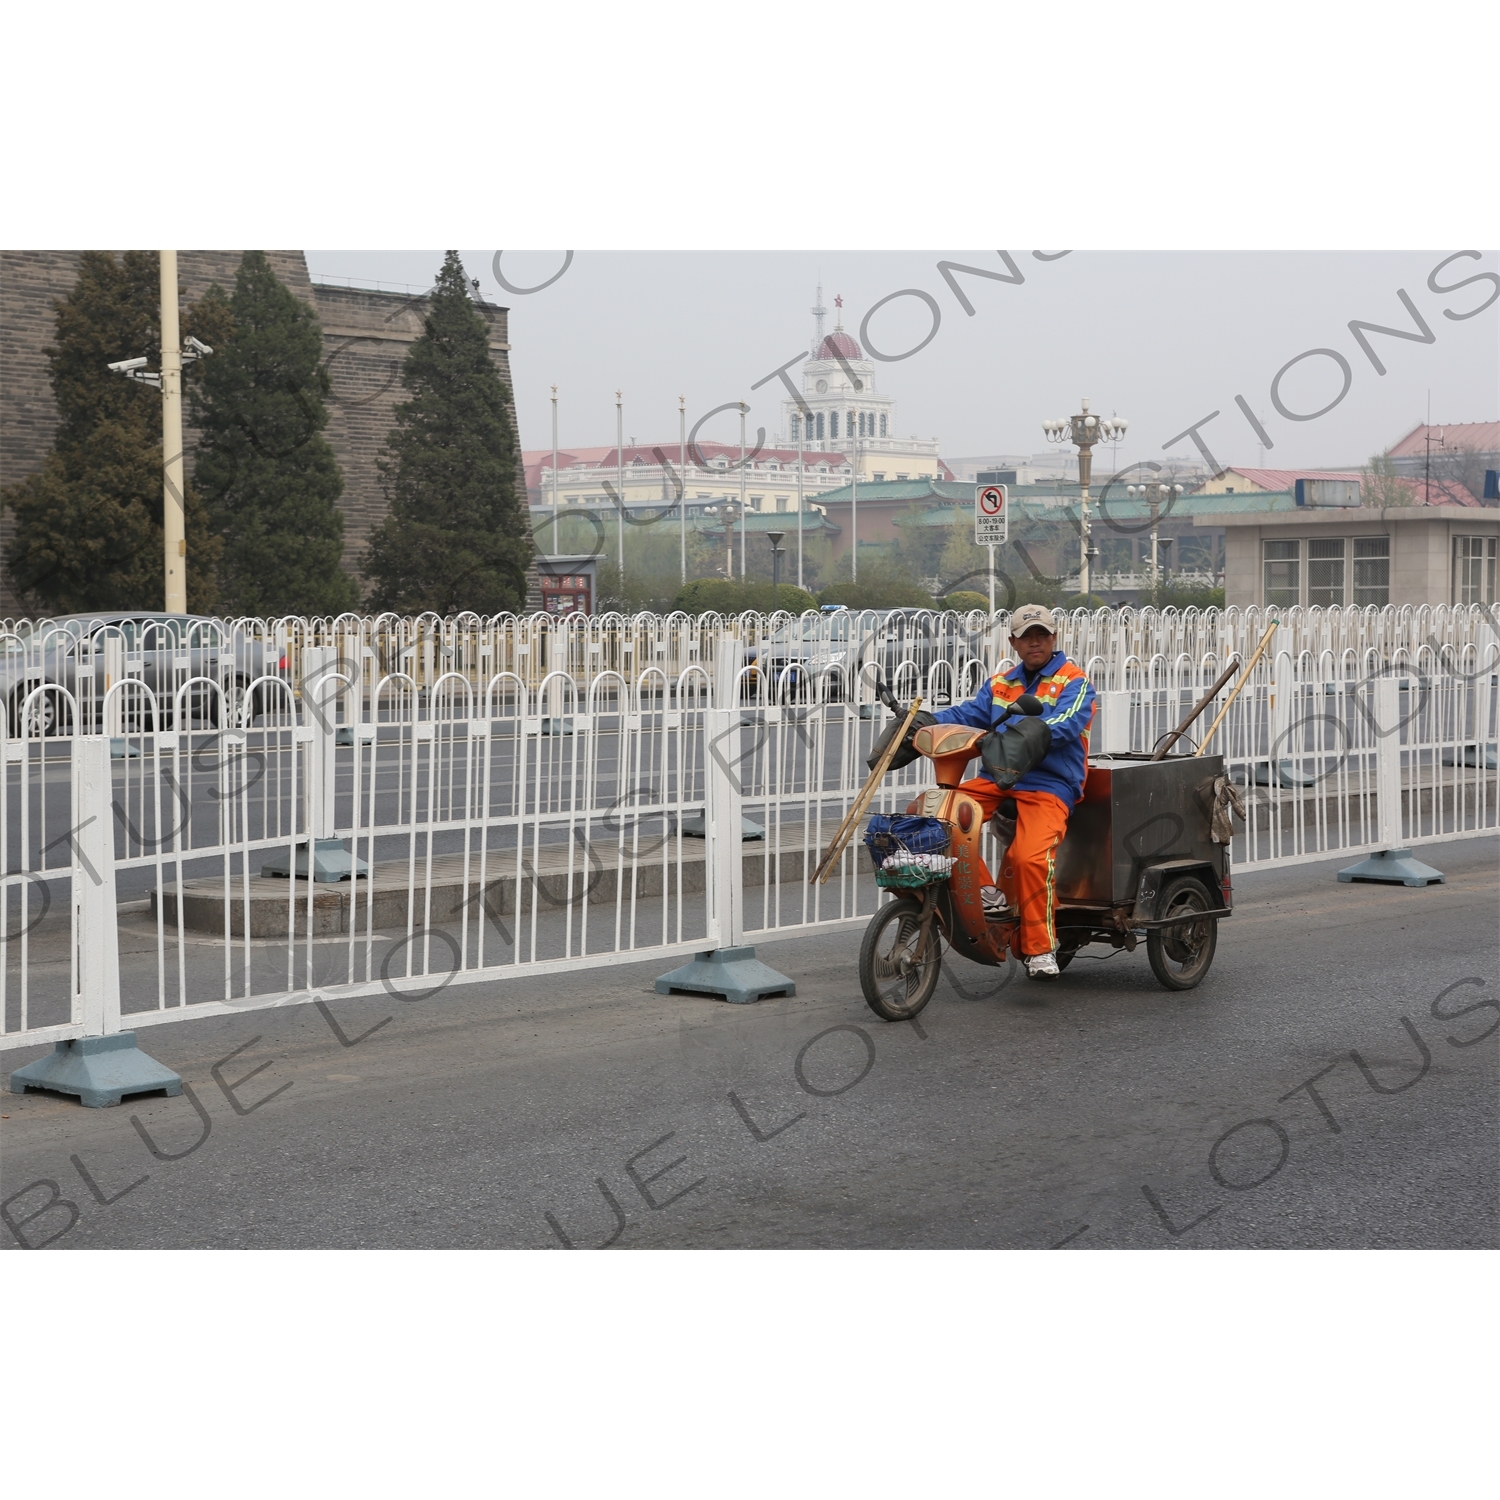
pixel 992 898
pixel 1042 966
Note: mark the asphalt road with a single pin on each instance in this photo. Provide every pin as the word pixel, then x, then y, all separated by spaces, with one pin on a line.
pixel 587 1108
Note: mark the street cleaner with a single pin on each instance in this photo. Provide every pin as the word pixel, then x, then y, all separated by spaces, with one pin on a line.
pixel 1034 770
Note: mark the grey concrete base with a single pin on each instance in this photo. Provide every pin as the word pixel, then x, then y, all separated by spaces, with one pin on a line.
pixel 732 974
pixel 1393 867
pixel 693 827
pixel 99 1070
pixel 331 862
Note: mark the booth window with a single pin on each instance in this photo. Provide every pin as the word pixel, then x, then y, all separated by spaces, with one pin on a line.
pixel 1283 572
pixel 1325 571
pixel 1474 569
pixel 1372 570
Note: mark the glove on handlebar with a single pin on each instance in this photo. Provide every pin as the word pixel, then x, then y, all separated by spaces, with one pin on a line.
pixel 1022 747
pixel 905 755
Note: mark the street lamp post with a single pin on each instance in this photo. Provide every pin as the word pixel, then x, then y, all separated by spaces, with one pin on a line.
pixel 774 537
pixel 1084 430
pixel 682 481
pixel 1154 494
pixel 175 353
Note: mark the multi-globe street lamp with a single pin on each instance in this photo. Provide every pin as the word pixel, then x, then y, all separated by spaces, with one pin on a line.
pixel 1155 495
pixel 1084 430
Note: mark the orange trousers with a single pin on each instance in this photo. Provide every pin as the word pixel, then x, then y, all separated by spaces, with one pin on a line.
pixel 1029 874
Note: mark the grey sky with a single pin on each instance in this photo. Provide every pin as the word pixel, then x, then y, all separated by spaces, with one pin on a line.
pixel 1163 338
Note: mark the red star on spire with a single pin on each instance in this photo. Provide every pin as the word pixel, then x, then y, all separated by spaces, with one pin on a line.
pixel 838 301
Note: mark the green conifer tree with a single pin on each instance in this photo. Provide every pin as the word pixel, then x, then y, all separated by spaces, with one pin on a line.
pixel 88 527
pixel 267 475
pixel 456 536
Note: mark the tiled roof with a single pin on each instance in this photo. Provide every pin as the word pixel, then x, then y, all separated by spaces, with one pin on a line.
pixel 1283 479
pixel 1483 437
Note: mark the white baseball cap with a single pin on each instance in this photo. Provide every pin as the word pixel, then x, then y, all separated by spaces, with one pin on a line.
pixel 1030 617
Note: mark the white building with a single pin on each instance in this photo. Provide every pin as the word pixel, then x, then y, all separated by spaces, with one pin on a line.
pixel 843 410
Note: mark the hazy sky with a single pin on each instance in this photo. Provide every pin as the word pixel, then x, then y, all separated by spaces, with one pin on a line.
pixel 1162 338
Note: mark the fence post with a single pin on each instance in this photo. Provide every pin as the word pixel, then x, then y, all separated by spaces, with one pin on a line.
pixel 731 971
pixel 1394 864
pixel 320 693
pixel 1114 738
pixel 104 1064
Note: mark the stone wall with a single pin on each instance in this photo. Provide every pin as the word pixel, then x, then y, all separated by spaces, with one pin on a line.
pixel 365 338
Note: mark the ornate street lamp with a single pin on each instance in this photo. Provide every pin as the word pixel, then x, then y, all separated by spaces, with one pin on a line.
pixel 1083 430
pixel 1155 495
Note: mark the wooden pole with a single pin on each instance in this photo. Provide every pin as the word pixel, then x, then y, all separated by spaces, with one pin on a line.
pixel 1202 703
pixel 855 813
pixel 1265 641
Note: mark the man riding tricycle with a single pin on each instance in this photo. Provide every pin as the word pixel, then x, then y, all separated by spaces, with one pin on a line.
pixel 1125 848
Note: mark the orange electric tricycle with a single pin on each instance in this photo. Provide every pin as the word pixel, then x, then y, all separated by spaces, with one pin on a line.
pixel 1138 862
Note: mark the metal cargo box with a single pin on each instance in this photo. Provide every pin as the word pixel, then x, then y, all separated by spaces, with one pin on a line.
pixel 1137 812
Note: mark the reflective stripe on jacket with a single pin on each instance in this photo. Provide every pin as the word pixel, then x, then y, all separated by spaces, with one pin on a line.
pixel 1067 698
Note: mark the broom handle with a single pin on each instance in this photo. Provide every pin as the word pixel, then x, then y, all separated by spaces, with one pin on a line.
pixel 1202 703
pixel 852 817
pixel 1265 641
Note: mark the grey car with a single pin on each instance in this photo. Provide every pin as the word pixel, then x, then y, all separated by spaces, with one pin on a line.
pixel 163 651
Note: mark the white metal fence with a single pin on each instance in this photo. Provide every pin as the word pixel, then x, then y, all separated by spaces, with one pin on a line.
pixel 56 675
pixel 532 817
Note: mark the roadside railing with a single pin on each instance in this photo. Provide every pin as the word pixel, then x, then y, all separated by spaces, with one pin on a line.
pixel 540 815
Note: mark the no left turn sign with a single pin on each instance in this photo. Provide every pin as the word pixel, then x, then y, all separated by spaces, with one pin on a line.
pixel 991 514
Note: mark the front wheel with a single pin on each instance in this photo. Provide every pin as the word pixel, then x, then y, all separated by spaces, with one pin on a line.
pixel 896 980
pixel 1180 955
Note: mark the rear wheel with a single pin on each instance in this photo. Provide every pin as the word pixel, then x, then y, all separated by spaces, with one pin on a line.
pixel 1181 954
pixel 898 983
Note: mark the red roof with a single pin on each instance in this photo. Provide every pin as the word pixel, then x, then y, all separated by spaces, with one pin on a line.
pixel 838 343
pixel 1284 479
pixel 1441 491
pixel 1482 437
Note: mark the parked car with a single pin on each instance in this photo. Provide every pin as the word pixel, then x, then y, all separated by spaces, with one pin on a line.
pixel 163 651
pixel 797 658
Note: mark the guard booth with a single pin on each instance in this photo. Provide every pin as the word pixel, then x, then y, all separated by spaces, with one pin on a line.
pixel 567 583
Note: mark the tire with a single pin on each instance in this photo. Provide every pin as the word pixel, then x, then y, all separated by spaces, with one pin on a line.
pixel 1180 956
pixel 49 713
pixel 895 993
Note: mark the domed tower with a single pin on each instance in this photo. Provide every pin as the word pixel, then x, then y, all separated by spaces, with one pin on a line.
pixel 838 387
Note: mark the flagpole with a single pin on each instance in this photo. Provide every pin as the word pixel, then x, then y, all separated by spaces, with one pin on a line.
pixel 620 487
pixel 801 420
pixel 682 478
pixel 853 504
pixel 743 410
pixel 554 471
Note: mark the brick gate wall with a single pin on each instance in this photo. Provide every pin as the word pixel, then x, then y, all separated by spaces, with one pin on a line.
pixel 365 338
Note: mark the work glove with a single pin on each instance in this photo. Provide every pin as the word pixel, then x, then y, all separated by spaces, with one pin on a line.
pixel 1020 747
pixel 905 755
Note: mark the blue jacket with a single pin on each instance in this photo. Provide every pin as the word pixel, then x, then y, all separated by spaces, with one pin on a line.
pixel 1068 701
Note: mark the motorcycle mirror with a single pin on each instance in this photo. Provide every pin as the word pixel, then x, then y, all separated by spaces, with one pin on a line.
pixel 1030 705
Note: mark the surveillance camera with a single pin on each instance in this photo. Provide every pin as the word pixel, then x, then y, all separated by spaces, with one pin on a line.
pixel 197 346
pixel 124 366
